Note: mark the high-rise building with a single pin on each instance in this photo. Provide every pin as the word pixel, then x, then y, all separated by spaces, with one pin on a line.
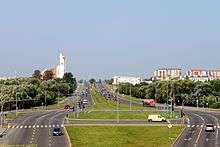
pixel 165 74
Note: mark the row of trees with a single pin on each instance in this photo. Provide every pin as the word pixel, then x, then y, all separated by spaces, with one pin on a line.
pixel 34 91
pixel 184 92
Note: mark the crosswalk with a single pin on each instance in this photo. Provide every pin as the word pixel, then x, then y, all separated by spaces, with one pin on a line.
pixel 34 126
pixel 200 126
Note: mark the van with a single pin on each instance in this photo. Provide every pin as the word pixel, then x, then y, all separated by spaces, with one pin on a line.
pixel 156 118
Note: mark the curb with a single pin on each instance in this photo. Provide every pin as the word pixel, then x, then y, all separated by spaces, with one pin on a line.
pixel 68 137
pixel 178 137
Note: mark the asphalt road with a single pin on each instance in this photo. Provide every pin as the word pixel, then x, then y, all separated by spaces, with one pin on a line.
pixel 37 129
pixel 103 89
pixel 195 135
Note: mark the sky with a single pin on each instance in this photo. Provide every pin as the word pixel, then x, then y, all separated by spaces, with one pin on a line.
pixel 103 38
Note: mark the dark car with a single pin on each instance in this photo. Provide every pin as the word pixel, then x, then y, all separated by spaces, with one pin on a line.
pixel 57 132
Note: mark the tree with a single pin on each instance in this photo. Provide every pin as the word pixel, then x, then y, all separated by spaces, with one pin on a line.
pixel 68 78
pixel 48 75
pixel 92 81
pixel 37 74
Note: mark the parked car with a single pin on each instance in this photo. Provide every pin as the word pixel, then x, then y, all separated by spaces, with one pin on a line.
pixel 156 118
pixel 210 128
pixel 57 132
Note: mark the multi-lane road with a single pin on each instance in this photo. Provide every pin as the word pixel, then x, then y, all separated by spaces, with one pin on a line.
pixel 37 129
pixel 195 134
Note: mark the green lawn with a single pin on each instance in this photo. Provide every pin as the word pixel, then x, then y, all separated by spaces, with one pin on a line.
pixel 122 115
pixel 122 136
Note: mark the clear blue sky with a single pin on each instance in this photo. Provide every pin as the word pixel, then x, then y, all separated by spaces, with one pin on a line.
pixel 102 38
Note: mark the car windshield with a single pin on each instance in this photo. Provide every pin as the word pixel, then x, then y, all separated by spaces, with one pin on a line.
pixel 209 125
pixel 57 130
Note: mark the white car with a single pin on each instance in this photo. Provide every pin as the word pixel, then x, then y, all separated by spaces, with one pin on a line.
pixel 85 101
pixel 210 128
pixel 156 118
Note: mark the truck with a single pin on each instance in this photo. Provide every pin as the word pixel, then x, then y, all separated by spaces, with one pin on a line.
pixel 149 103
pixel 156 118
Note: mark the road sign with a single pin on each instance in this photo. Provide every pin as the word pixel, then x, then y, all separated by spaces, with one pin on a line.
pixel 170 126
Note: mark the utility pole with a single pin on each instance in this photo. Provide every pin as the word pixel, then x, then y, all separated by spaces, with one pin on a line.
pixel 45 100
pixel 130 97
pixel 2 114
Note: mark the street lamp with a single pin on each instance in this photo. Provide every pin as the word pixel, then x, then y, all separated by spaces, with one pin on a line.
pixel 45 100
pixel 130 97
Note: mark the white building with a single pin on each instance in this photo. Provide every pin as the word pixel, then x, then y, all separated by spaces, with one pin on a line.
pixel 203 74
pixel 61 68
pixel 123 79
pixel 165 74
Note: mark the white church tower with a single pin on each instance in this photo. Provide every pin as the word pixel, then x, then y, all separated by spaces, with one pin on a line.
pixel 61 68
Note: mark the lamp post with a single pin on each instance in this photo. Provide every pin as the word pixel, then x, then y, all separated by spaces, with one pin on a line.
pixel 130 97
pixel 45 100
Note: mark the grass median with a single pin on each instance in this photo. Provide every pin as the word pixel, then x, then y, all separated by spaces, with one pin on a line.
pixel 122 115
pixel 122 136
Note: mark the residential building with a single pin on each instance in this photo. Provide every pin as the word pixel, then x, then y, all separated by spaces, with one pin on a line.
pixel 203 74
pixel 165 74
pixel 125 79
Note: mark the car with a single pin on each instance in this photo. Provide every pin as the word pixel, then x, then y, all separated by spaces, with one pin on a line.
pixel 156 118
pixel 57 132
pixel 210 128
pixel 85 101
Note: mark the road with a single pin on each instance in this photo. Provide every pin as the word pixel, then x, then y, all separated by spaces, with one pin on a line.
pixel 103 89
pixel 195 135
pixel 37 129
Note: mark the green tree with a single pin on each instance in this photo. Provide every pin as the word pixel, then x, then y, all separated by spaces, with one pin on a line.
pixel 37 74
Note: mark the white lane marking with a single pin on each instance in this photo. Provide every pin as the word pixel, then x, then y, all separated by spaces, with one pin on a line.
pixel 58 125
pixel 17 127
pixel 200 132
pixel 21 127
pixel 29 127
pixel 25 127
pixel 34 126
pixel 193 126
pixel 62 126
pixel 53 126
pixel 38 126
pixel 45 126
pixel 49 126
pixel 41 126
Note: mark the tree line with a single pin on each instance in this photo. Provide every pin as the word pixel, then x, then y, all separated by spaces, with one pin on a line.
pixel 34 91
pixel 183 92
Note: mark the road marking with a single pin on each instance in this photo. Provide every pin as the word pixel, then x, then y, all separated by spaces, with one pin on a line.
pixel 38 126
pixel 53 126
pixel 29 127
pixel 34 126
pixel 17 127
pixel 49 126
pixel 197 140
pixel 41 126
pixel 45 126
pixel 25 127
pixel 62 126
pixel 21 127
pixel 193 126
pixel 58 125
